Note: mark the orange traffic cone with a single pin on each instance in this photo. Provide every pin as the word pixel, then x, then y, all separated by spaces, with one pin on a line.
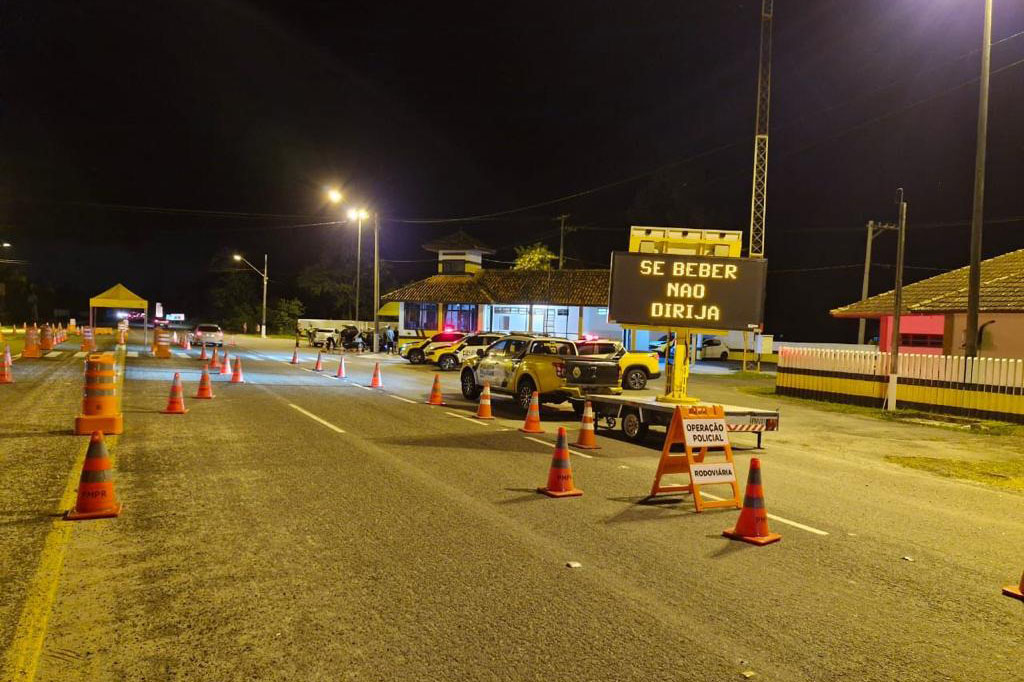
pixel 214 362
pixel 205 391
pixel 1015 591
pixel 176 401
pixel 483 410
pixel 295 356
pixel 587 439
pixel 225 364
pixel 435 392
pixel 319 367
pixel 560 473
pixel 376 381
pixel 236 376
pixel 203 355
pixel 532 423
pixel 6 371
pixel 752 526
pixel 96 498
pixel 187 345
pixel 341 368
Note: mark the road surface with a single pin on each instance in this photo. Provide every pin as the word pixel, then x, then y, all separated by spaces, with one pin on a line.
pixel 301 527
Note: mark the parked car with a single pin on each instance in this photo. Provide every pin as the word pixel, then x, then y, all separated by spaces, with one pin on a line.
pixel 449 356
pixel 322 337
pixel 416 351
pixel 715 349
pixel 209 334
pixel 637 367
pixel 519 364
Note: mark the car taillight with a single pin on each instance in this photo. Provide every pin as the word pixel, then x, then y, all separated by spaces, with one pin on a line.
pixel 198 334
pixel 559 369
pixel 653 355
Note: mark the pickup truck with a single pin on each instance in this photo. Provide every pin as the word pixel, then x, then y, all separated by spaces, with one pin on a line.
pixel 519 364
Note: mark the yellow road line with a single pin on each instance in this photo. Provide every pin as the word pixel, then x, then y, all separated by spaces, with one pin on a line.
pixel 22 658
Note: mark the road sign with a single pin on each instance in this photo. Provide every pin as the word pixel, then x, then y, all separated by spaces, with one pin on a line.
pixel 175 317
pixel 695 292
pixel 702 433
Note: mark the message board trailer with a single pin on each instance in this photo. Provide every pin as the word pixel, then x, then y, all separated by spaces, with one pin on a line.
pixel 635 416
pixel 682 294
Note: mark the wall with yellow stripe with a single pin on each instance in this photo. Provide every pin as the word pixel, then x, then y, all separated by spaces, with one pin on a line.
pixel 988 388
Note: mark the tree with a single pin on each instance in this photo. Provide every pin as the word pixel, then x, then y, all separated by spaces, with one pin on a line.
pixel 236 300
pixel 533 257
pixel 328 289
pixel 283 314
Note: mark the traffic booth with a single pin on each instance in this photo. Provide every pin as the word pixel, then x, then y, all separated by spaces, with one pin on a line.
pixel 706 457
pixel 162 344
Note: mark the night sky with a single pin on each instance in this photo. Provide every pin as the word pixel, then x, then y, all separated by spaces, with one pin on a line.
pixel 144 142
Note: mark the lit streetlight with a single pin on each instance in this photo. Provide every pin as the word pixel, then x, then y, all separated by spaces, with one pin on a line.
pixel 238 257
pixel 334 195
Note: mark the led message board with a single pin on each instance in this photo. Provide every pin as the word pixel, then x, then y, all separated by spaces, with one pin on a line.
pixel 697 292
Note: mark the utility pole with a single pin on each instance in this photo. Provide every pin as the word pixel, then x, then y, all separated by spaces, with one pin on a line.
pixel 263 325
pixel 974 273
pixel 874 229
pixel 759 192
pixel 897 304
pixel 561 239
pixel 376 281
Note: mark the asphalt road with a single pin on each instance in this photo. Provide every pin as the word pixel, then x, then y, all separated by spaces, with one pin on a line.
pixel 298 527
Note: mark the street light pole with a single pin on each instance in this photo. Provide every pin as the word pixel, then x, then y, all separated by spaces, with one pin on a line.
pixel 376 282
pixel 359 255
pixel 263 325
pixel 974 273
pixel 894 366
pixel 238 257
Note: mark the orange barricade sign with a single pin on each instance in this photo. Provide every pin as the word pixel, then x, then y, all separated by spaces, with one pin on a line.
pixel 702 431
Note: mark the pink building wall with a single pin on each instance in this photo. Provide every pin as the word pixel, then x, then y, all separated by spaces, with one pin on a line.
pixel 912 324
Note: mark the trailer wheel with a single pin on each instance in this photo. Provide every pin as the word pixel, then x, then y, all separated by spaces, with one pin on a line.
pixel 634 429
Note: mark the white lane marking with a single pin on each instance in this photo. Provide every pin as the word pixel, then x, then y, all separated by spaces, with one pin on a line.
pixel 773 517
pixel 547 444
pixel 317 419
pixel 365 388
pixel 82 354
pixel 469 419
pixel 54 354
pixel 131 354
pixel 404 400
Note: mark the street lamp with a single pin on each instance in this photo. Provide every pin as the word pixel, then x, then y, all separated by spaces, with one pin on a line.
pixel 334 195
pixel 238 257
pixel 6 245
pixel 358 215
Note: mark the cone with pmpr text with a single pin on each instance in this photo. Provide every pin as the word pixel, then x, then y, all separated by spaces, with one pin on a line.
pixel 435 397
pixel 225 364
pixel 483 410
pixel 96 499
pixel 203 355
pixel 236 375
pixel 1015 591
pixel 176 401
pixel 376 381
pixel 341 368
pixel 560 483
pixel 752 526
pixel 6 369
pixel 532 423
pixel 587 438
pixel 205 391
pixel 319 366
pixel 214 364
pixel 295 356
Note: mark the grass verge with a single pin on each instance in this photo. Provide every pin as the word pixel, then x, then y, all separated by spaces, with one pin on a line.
pixel 1006 474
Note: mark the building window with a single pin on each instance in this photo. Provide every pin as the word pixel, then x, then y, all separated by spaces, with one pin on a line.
pixel 460 317
pixel 421 316
pixel 921 340
pixel 453 267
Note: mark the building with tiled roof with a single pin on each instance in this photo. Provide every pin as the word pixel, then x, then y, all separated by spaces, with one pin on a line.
pixel 934 310
pixel 465 296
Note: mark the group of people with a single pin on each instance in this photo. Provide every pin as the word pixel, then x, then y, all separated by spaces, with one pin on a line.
pixel 363 341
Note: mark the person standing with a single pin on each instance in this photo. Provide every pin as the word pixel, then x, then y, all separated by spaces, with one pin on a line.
pixel 389 338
